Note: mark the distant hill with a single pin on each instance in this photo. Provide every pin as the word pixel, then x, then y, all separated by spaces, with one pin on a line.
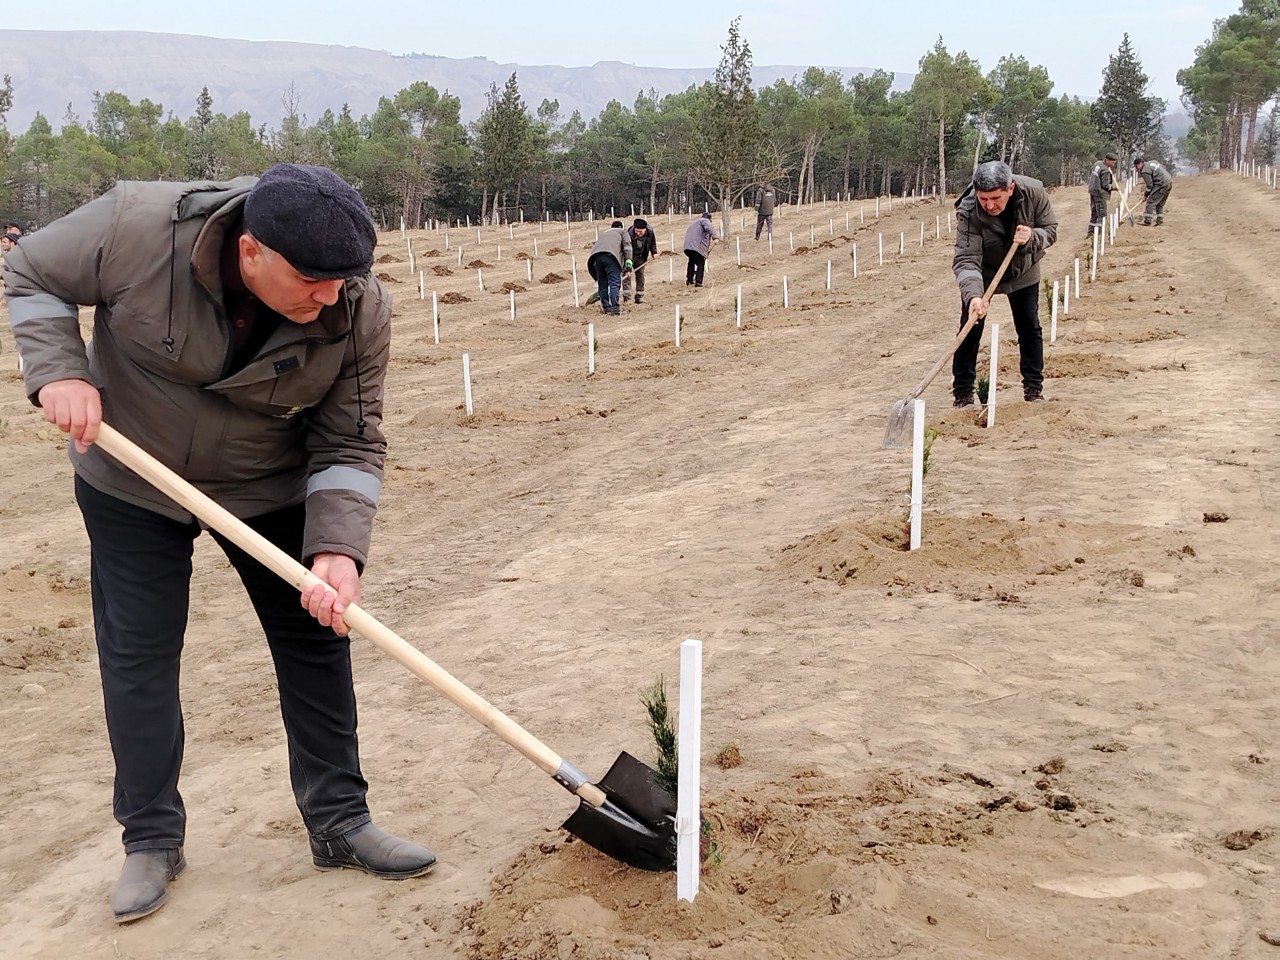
pixel 53 68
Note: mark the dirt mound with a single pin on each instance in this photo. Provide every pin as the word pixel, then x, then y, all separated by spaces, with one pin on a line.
pixel 977 558
pixel 790 866
pixel 454 297
pixel 1032 422
pixel 441 271
pixel 431 253
pixel 799 251
pixel 479 265
pixel 523 256
pixel 509 287
pixel 389 258
pixel 387 278
pixel 553 278
pixel 554 250
pixel 1082 365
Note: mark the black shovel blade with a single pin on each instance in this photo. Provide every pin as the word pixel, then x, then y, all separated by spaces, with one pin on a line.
pixel 637 823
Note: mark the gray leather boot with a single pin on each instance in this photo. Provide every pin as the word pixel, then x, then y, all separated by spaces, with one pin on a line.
pixel 144 881
pixel 375 852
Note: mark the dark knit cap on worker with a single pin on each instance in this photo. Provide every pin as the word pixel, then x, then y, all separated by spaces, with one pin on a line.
pixel 1138 160
pixel 1112 157
pixel 641 224
pixel 314 219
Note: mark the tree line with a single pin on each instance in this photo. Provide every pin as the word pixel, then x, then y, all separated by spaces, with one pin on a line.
pixel 819 134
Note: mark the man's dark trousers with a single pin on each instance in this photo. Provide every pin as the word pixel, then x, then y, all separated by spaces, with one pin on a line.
pixel 1025 306
pixel 1097 212
pixel 696 269
pixel 608 280
pixel 140 572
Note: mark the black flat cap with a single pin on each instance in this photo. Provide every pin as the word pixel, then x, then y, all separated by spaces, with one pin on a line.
pixel 1112 157
pixel 314 219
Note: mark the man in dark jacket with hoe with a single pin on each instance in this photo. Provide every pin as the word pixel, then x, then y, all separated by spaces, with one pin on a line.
pixel 1102 182
pixel 643 246
pixel 240 339
pixel 996 210
pixel 1157 185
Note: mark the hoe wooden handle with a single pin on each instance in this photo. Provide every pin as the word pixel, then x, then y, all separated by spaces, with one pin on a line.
pixel 289 569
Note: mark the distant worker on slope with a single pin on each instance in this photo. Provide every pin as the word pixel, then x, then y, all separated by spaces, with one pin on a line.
pixel 1102 182
pixel 609 259
pixel 765 199
pixel 1158 185
pixel 697 247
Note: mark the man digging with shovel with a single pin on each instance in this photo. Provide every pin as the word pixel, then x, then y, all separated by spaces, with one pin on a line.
pixel 996 210
pixel 239 335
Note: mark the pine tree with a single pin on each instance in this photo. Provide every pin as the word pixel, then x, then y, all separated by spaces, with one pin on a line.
pixel 1123 111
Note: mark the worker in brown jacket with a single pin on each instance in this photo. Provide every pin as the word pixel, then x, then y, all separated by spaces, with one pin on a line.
pixel 239 338
pixel 997 210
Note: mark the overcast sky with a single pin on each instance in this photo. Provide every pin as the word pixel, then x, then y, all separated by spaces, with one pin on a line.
pixel 1072 41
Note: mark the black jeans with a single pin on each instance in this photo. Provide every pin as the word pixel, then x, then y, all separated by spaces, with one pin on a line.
pixel 140 574
pixel 1097 212
pixel 696 269
pixel 1025 306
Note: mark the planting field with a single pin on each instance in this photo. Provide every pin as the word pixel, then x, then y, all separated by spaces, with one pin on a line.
pixel 1051 732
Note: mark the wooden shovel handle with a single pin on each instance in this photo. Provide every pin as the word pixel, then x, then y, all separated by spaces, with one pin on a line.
pixel 289 569
pixel 968 325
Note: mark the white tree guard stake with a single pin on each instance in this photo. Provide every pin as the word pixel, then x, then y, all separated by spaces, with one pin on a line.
pixel 784 292
pixel 1102 242
pixel 459 254
pixel 574 260
pixel 597 229
pixel 513 304
pixel 477 236
pixel 466 383
pixel 811 234
pixel 469 222
pixel 499 251
pixel 1066 295
pixel 568 238
pixel 1053 315
pixel 1077 266
pixel 689 773
pixel 528 267
pixel 828 274
pixel 535 245
pixel 902 243
pixel 480 277
pixel 937 227
pixel 917 470
pixel 1093 262
pixel 991 377
pixel 446 239
pixel 737 242
pixel 671 269
pixel 435 316
pixel 877 208
pixel 677 324
pixel 673 242
pixel 948 223
pixel 861 211
pixel 412 265
pixel 922 233
pixel 880 247
pixel 792 238
pixel 511 231
pixel 402 226
pixel 422 284
pixel 831 226
pixel 409 246
pixel 771 243
pixel 854 254
pixel 738 309
pixel 846 219
pixel 591 348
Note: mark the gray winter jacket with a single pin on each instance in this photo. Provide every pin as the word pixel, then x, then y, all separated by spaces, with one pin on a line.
pixel 1101 180
pixel 699 235
pixel 614 242
pixel 982 240
pixel 300 421
pixel 1155 176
